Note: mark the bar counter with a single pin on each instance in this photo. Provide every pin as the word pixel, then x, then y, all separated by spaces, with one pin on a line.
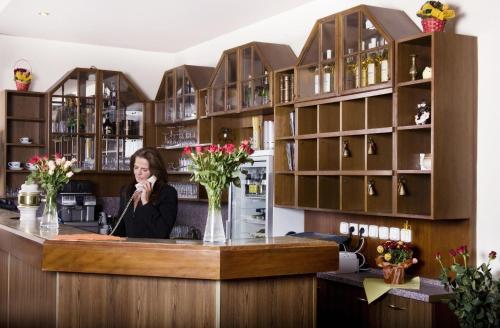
pixel 49 282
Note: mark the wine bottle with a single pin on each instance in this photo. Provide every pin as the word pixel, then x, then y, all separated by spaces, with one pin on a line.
pixel 107 127
pixel 316 80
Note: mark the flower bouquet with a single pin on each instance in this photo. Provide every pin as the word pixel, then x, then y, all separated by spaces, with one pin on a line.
pixel 476 301
pixel 394 258
pixel 434 15
pixel 214 168
pixel 22 76
pixel 51 175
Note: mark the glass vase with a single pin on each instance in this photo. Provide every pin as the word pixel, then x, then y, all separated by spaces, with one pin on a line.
pixel 214 229
pixel 50 220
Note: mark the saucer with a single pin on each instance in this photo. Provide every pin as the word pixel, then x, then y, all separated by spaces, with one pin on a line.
pixel 15 168
pixel 26 143
pixel 32 168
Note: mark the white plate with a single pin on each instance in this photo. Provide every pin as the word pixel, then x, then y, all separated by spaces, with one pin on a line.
pixel 26 143
pixel 15 168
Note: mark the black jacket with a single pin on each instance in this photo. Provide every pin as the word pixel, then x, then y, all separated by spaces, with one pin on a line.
pixel 153 220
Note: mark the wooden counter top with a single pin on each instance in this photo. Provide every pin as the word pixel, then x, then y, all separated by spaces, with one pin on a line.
pixel 178 258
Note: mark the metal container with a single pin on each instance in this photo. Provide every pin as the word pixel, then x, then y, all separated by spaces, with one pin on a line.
pixel 25 198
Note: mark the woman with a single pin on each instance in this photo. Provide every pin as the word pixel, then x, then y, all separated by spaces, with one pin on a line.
pixel 152 211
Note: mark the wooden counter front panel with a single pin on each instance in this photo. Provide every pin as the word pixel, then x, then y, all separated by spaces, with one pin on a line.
pixel 4 288
pixel 269 302
pixel 91 300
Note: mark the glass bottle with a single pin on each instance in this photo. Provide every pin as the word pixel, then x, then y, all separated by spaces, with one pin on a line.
pixel 327 78
pixel 107 127
pixel 370 68
pixel 112 96
pixel 316 80
pixel 413 67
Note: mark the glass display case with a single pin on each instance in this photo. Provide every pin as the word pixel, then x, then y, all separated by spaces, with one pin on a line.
pixel 96 117
pixel 251 205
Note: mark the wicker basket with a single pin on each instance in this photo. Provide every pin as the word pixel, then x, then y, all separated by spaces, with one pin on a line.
pixel 432 24
pixel 24 66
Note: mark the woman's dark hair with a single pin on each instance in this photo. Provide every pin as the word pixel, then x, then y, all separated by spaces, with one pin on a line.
pixel 156 167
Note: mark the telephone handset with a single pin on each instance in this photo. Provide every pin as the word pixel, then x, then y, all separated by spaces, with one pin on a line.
pixel 139 188
pixel 152 179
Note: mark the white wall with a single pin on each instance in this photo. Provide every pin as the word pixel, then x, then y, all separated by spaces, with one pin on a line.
pixel 51 59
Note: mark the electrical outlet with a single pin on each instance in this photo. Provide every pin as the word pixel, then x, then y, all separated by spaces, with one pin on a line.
pixel 355 225
pixel 406 235
pixel 373 231
pixel 364 226
pixel 383 233
pixel 394 234
pixel 344 228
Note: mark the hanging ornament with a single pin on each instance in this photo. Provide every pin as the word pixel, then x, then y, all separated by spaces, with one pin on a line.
pixel 402 187
pixel 346 152
pixel 372 147
pixel 371 188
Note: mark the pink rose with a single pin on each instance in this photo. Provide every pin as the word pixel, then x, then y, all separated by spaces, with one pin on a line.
pixel 187 150
pixel 198 149
pixel 228 148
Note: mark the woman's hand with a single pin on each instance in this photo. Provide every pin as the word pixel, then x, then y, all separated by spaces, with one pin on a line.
pixel 146 193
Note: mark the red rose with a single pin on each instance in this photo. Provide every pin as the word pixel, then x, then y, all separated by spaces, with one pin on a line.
pixel 228 148
pixel 35 159
pixel 213 148
pixel 492 255
pixel 198 149
pixel 438 256
pixel 462 250
pixel 187 150
pixel 453 252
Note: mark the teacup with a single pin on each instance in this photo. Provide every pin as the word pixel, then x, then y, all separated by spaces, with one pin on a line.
pixel 14 165
pixel 24 140
pixel 30 166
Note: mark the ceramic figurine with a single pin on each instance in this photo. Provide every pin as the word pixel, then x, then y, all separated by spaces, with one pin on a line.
pixel 423 113
pixel 427 73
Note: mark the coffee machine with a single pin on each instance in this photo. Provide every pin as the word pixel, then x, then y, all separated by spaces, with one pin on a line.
pixel 76 203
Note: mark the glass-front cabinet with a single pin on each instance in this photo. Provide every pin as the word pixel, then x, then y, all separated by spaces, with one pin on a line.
pixel 96 117
pixel 350 52
pixel 316 66
pixel 243 77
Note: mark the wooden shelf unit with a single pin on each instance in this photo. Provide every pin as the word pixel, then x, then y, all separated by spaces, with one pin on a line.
pixel 334 168
pixel 24 114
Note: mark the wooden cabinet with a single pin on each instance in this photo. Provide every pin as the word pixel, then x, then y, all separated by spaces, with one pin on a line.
pixel 180 121
pixel 341 303
pixel 364 153
pixel 350 52
pixel 243 78
pixel 97 117
pixel 23 114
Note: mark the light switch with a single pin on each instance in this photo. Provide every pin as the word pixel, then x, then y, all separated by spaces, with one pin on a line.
pixel 373 231
pixel 355 225
pixel 383 233
pixel 364 226
pixel 344 228
pixel 394 234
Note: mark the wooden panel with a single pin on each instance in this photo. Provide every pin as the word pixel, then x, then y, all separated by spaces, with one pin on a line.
pixel 418 195
pixel 379 112
pixel 282 121
pixel 274 262
pixel 353 193
pixel 382 159
pixel 356 148
pixel 328 154
pixel 87 300
pixel 381 202
pixel 307 120
pixel 353 114
pixel 428 237
pixel 32 296
pixel 455 60
pixel 329 192
pixel 307 191
pixel 411 143
pixel 284 189
pixel 278 302
pixel 329 118
pixel 307 152
pixel 395 312
pixel 4 295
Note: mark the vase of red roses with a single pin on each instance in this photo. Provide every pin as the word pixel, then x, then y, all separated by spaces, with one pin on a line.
pixel 214 167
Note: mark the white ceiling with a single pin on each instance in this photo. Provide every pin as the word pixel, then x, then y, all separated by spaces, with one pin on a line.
pixel 151 25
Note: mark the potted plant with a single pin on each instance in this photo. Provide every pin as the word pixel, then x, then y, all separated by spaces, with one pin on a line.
pixel 394 258
pixel 476 294
pixel 434 15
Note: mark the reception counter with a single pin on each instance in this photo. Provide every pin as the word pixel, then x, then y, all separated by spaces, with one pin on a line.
pixel 59 280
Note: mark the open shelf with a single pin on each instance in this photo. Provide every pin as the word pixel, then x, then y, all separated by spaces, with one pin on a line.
pixel 329 192
pixel 408 99
pixel 417 199
pixel 412 143
pixel 328 154
pixel 283 118
pixel 284 194
pixel 307 120
pixel 329 118
pixel 421 47
pixel 379 111
pixel 382 158
pixel 353 114
pixel 356 149
pixel 307 155
pixel 282 162
pixel 307 191
pixel 353 193
pixel 381 201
